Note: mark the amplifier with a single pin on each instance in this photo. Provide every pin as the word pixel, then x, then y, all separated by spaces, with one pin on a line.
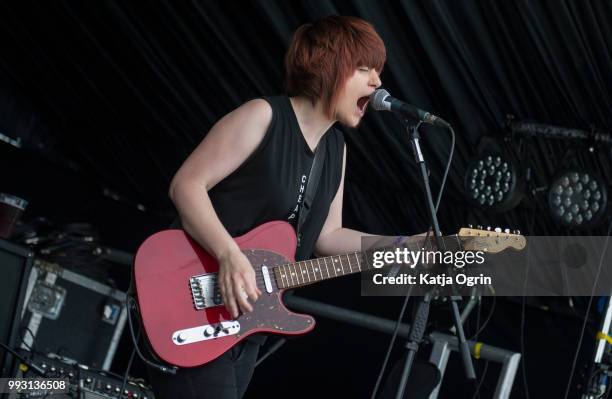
pixel 84 383
pixel 15 266
pixel 72 315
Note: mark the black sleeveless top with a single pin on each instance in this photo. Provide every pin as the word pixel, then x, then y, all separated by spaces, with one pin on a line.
pixel 270 183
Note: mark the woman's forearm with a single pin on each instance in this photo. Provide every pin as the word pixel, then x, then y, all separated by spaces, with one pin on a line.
pixel 339 241
pixel 199 218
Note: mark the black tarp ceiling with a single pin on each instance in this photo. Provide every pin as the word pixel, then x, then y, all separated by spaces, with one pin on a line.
pixel 126 90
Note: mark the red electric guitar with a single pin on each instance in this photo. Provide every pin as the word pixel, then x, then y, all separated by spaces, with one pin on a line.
pixel 180 305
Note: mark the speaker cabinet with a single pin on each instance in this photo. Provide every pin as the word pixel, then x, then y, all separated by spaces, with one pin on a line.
pixel 15 267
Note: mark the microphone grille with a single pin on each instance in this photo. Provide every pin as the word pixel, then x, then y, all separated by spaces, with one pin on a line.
pixel 378 100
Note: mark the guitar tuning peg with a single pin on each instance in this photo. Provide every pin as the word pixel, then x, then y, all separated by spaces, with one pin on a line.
pixel 517 232
pixel 470 226
pixel 479 227
pixel 507 231
pixel 488 228
pixel 498 230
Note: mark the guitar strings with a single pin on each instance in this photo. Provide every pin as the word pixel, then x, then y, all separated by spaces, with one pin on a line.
pixel 303 266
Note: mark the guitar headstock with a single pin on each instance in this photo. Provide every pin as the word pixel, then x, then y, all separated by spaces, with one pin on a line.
pixel 491 241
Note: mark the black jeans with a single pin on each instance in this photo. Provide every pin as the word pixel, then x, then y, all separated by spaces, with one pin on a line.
pixel 226 377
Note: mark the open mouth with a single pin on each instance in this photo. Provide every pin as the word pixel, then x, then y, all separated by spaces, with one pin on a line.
pixel 362 104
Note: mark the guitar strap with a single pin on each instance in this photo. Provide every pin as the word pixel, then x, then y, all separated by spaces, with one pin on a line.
pixel 311 186
pixel 311 189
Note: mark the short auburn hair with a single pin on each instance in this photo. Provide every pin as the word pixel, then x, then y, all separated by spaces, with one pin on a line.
pixel 324 54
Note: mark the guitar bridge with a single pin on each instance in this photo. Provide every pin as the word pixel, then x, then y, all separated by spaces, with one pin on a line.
pixel 204 291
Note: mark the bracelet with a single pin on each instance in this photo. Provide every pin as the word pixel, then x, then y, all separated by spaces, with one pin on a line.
pixel 398 240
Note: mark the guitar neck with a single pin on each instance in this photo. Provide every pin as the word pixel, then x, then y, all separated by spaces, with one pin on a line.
pixel 307 272
pixel 311 271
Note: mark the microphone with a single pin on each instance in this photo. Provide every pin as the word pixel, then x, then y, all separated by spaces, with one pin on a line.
pixel 382 101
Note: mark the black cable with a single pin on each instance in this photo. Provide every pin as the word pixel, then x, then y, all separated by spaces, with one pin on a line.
pixel 478 315
pixel 130 301
pixel 403 310
pixel 522 331
pixel 106 373
pixel 273 348
pixel 447 168
pixel 475 338
pixel 23 330
pixel 586 313
pixel 481 329
pixel 129 366
pixel 30 365
pixel 482 377
pixel 523 352
pixel 398 323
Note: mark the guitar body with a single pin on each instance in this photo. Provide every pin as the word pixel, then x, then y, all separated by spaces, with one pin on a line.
pixel 164 265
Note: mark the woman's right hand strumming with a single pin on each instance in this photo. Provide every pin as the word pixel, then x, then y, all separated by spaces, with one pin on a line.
pixel 237 282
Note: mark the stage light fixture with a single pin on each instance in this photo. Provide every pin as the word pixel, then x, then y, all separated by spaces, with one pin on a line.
pixel 577 199
pixel 491 182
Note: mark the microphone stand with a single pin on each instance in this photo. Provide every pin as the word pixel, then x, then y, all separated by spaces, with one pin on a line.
pixel 419 323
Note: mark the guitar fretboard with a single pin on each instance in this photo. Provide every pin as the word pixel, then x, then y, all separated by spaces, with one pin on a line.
pixel 310 271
